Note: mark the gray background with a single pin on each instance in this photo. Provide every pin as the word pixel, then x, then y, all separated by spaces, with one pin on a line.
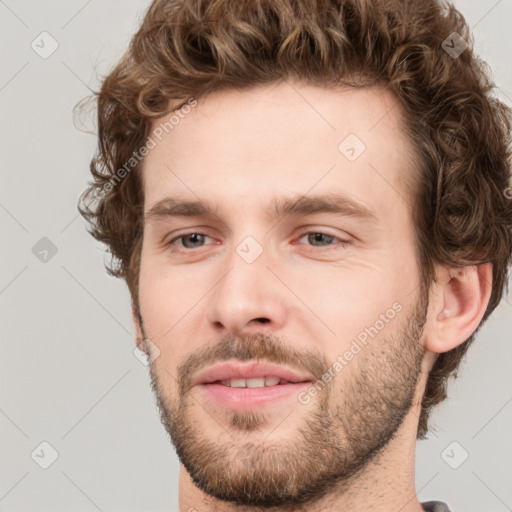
pixel 68 373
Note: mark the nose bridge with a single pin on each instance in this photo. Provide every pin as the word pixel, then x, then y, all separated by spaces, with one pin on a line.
pixel 248 290
pixel 248 273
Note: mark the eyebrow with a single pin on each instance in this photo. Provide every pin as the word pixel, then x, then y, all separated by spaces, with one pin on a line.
pixel 338 203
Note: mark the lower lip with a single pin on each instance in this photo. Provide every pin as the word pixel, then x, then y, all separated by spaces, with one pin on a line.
pixel 243 399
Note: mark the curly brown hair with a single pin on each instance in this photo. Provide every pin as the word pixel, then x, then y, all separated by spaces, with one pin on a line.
pixel 461 131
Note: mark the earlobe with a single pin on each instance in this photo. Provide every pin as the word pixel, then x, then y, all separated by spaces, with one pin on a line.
pixel 457 306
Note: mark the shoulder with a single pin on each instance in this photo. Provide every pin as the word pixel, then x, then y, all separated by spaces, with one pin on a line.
pixel 435 506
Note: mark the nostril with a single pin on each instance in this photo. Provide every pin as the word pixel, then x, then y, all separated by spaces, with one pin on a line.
pixel 262 320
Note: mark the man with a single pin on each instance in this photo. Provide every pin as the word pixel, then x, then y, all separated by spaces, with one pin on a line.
pixel 310 202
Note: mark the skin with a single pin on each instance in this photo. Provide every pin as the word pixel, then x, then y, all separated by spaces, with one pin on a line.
pixel 302 301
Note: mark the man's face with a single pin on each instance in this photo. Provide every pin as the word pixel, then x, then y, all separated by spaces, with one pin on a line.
pixel 331 295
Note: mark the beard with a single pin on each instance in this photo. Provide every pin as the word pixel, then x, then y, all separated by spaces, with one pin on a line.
pixel 346 425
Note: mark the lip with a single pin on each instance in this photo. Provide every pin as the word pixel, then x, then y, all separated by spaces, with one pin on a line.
pixel 245 399
pixel 250 399
pixel 227 371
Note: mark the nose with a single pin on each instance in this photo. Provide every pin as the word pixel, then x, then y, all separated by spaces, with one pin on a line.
pixel 249 298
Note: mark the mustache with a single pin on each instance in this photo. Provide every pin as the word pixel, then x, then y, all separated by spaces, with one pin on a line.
pixel 256 347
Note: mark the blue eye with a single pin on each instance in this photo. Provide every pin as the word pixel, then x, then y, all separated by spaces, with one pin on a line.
pixel 318 239
pixel 194 238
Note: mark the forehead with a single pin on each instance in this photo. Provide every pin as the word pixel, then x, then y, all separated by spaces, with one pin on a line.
pixel 286 137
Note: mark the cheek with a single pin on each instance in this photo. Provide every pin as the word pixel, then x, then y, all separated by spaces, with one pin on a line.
pixel 165 301
pixel 162 295
pixel 352 286
pixel 361 300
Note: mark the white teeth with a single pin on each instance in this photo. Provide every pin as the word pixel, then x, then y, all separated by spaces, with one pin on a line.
pixel 272 381
pixel 257 382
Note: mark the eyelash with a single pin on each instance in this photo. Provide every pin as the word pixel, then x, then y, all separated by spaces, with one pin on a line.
pixel 341 243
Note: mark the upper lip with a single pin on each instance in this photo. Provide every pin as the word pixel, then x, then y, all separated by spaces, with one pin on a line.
pixel 227 371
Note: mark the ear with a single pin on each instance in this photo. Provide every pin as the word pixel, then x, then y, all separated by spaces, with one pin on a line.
pixel 139 337
pixel 457 304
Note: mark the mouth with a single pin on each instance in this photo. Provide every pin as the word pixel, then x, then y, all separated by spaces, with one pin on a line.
pixel 256 382
pixel 250 386
pixel 253 374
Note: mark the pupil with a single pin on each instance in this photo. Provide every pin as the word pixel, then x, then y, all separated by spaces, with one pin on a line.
pixel 317 237
pixel 194 237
